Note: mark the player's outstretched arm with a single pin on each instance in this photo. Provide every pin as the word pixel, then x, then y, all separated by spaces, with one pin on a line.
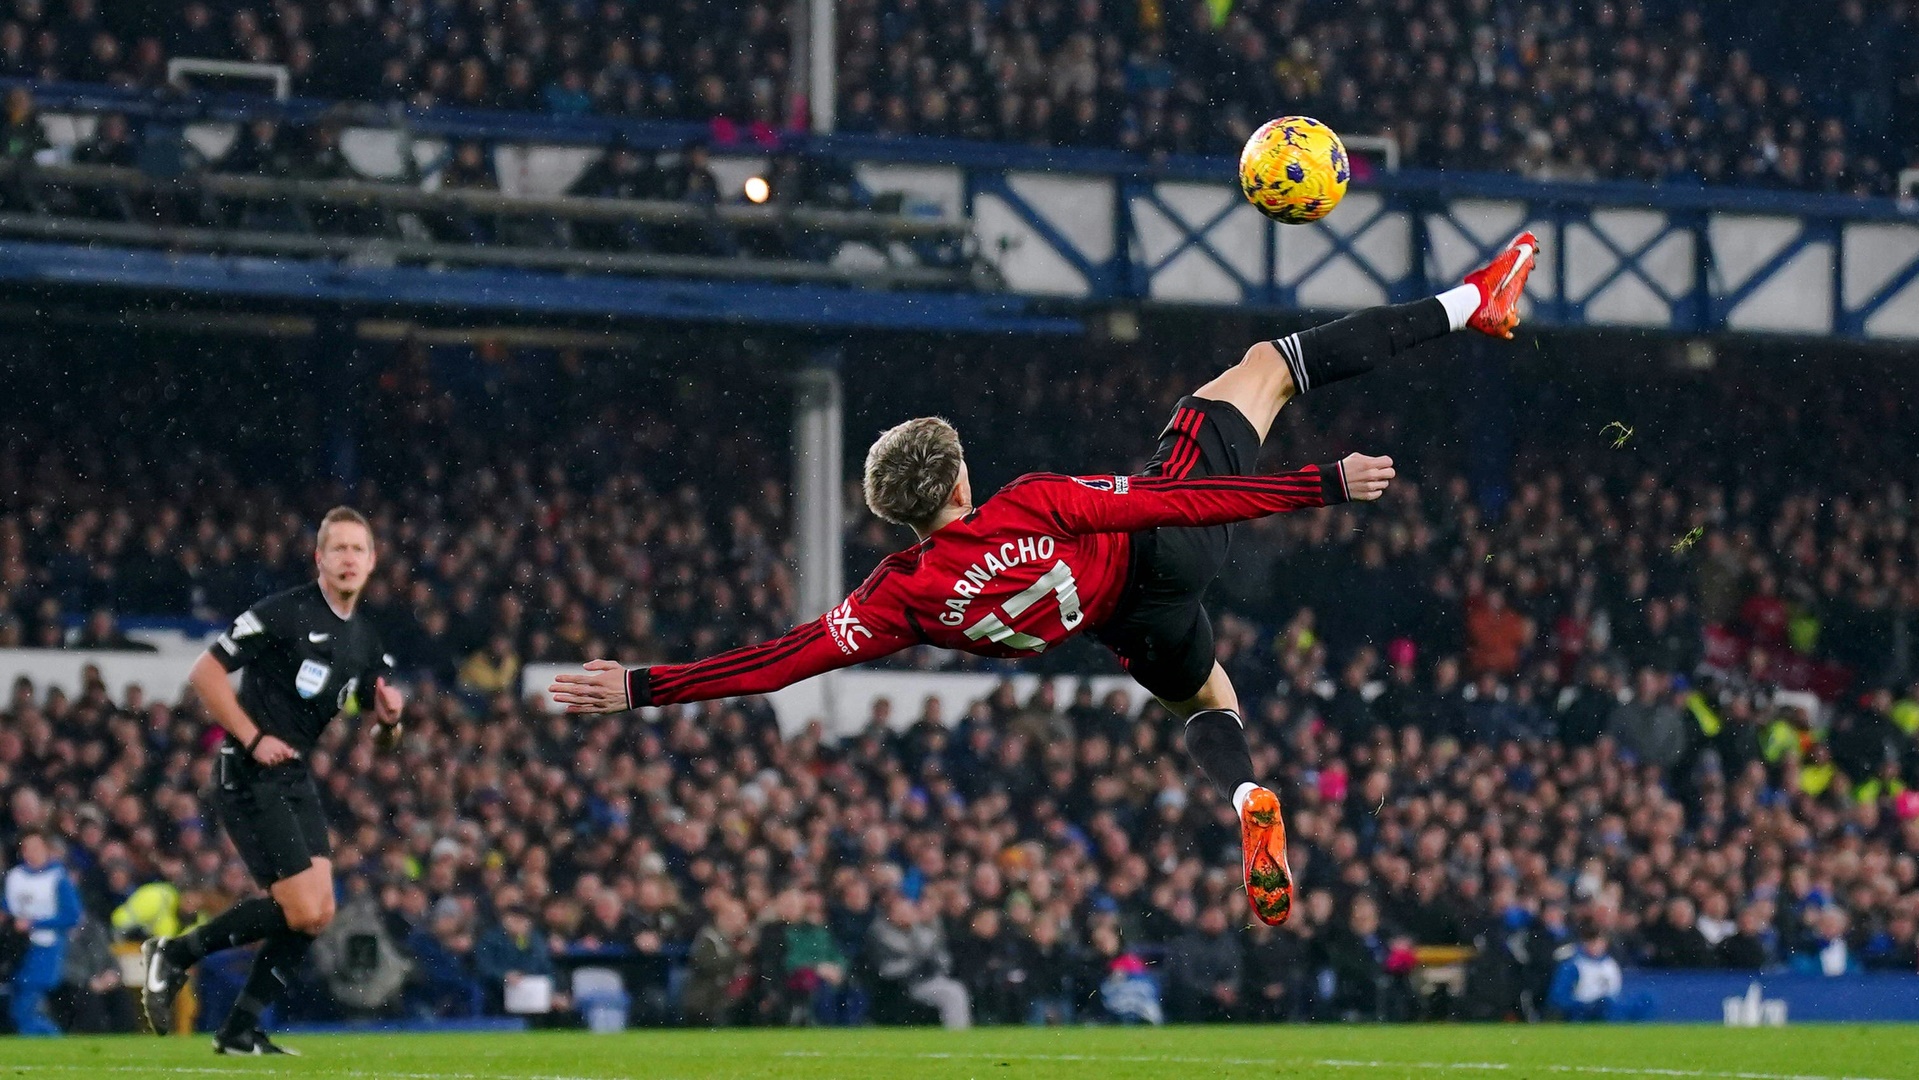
pixel 1090 504
pixel 848 634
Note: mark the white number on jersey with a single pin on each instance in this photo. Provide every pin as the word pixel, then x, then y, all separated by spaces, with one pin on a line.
pixel 1058 581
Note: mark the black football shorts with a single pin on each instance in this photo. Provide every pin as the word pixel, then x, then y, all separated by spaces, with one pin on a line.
pixel 1160 631
pixel 272 815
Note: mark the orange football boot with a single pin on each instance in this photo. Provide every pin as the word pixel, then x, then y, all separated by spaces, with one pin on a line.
pixel 1501 283
pixel 1262 836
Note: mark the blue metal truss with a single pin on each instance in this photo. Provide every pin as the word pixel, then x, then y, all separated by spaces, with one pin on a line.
pixel 1701 303
pixel 1196 236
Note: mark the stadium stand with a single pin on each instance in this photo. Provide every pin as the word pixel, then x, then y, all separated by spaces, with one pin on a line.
pixel 1534 713
pixel 1712 92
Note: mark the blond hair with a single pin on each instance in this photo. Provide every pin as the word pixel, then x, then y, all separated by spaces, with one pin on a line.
pixel 911 471
pixel 342 515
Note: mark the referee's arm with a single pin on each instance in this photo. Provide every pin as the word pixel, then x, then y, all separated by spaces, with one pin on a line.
pixel 209 680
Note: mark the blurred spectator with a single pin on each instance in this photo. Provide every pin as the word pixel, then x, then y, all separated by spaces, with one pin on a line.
pixel 21 137
pixel 1650 727
pixel 112 144
pixel 507 952
pixel 493 670
pixel 1043 976
pixel 444 981
pixel 719 975
pixel 1827 951
pixel 1203 971
pixel 468 166
pixel 262 149
pixel 814 966
pixel 1350 965
pixel 986 960
pixel 1674 938
pixel 1496 635
pixel 1590 985
pixel 908 953
pixel 103 632
pixel 92 998
pixel 41 902
pixel 1127 993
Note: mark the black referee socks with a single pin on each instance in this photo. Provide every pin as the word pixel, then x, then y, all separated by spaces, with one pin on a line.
pixel 272 971
pixel 1217 742
pixel 1353 345
pixel 242 924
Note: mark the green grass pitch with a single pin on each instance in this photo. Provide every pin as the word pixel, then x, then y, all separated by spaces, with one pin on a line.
pixel 1815 1052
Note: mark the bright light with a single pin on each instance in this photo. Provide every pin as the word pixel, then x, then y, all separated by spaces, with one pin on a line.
pixel 757 190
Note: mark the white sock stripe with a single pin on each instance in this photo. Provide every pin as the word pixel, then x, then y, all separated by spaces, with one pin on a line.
pixel 1295 356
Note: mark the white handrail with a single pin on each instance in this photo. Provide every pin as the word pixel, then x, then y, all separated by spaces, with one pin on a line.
pixel 233 69
pixel 1384 145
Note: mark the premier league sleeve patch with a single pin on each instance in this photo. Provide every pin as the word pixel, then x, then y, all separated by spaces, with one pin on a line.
pixel 311 678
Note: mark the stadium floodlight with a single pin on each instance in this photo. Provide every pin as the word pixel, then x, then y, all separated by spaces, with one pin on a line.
pixel 232 70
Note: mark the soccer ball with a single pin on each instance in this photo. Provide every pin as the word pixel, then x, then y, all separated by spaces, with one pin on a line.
pixel 1294 169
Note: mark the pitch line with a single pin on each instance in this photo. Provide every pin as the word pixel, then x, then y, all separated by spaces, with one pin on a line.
pixel 1583 1070
pixel 1357 1064
pixel 258 1070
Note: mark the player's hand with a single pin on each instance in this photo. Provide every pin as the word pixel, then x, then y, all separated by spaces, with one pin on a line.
pixel 387 702
pixel 271 751
pixel 1367 477
pixel 600 689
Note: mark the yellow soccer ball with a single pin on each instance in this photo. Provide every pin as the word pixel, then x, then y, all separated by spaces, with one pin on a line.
pixel 1294 169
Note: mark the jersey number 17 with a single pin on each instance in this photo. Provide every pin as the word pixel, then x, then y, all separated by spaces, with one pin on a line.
pixel 1059 582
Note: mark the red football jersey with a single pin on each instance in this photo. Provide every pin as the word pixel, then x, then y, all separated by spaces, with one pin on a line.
pixel 1044 558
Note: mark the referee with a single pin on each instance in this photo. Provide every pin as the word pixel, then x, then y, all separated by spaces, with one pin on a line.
pixel 304 653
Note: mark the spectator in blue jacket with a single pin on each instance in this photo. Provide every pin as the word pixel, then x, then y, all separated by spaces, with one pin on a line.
pixel 508 952
pixel 1589 985
pixel 443 957
pixel 45 907
pixel 1828 951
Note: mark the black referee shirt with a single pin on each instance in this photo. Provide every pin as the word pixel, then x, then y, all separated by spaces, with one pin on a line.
pixel 302 662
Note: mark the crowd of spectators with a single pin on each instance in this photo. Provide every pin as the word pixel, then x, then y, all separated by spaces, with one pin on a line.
pixel 1695 92
pixel 1667 92
pixel 1040 861
pixel 496 551
pixel 1655 704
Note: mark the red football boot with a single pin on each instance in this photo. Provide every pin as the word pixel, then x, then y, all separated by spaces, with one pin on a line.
pixel 1501 283
pixel 1262 837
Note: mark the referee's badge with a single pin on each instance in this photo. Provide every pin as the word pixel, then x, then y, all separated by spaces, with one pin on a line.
pixel 312 677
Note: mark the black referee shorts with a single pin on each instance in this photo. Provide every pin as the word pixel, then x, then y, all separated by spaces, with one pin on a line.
pixel 1161 632
pixel 272 815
